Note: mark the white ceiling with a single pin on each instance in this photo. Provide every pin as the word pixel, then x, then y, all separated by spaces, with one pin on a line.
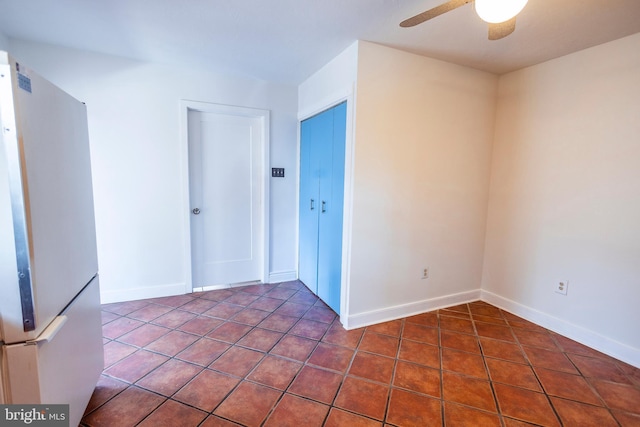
pixel 287 40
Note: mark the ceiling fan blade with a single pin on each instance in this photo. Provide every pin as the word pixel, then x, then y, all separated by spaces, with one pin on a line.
pixel 503 29
pixel 432 13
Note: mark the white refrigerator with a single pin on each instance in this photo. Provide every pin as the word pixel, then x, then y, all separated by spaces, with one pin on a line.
pixel 50 329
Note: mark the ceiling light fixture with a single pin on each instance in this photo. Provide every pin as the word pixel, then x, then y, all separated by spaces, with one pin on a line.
pixel 496 11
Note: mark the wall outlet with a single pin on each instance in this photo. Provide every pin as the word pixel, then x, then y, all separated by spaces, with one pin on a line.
pixel 425 273
pixel 562 286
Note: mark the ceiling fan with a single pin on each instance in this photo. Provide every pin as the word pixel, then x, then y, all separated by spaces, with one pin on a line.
pixel 499 14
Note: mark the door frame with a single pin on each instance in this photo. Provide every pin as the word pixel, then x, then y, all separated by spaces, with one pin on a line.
pixel 205 107
pixel 327 102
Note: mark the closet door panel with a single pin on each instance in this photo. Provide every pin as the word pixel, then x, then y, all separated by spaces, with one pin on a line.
pixel 308 207
pixel 331 213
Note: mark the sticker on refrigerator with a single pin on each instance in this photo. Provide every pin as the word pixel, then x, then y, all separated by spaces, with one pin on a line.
pixel 24 82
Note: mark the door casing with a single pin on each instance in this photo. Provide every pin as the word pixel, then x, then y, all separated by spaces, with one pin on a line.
pixel 264 117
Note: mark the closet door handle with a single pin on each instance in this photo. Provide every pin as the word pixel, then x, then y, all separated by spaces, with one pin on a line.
pixel 312 202
pixel 324 206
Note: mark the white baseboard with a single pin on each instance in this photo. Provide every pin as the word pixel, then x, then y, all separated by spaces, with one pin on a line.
pixel 584 336
pixel 120 295
pixel 359 320
pixel 282 276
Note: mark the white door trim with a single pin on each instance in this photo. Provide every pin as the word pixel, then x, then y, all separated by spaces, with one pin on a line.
pixel 206 107
pixel 345 94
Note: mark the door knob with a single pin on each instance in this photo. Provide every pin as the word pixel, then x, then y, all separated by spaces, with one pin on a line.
pixel 196 211
pixel 312 207
pixel 324 206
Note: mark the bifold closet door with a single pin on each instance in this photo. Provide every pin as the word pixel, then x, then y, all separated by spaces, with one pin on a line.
pixel 313 132
pixel 331 211
pixel 322 139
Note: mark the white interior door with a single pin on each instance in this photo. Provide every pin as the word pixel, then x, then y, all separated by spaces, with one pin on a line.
pixel 226 181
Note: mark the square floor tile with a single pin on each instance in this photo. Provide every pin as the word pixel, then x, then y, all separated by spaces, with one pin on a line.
pixel 457 324
pixel 293 347
pixel 170 377
pixel 502 350
pixel 200 325
pixel 149 312
pixel 266 304
pixel 331 357
pixel 126 409
pixel 417 378
pixel 458 415
pixel 602 369
pixel 424 334
pixel 292 309
pixel 580 414
pixel 260 339
pixel 497 332
pixel 618 396
pixel 553 360
pixel 339 336
pixel 249 404
pixel 106 388
pixel 293 411
pixel 372 367
pixel 206 390
pixel 463 363
pixel 275 372
pixel 203 352
pixel 424 354
pixel 237 361
pixel 136 366
pixel 174 318
pixel 172 343
pixel 320 314
pixel 309 329
pixel 468 391
pixel 459 341
pixel 224 310
pixel 384 345
pixel 535 339
pixel 198 306
pixel 411 409
pixel 339 418
pixel 143 335
pixel 119 327
pixel 278 322
pixel 172 413
pixel 115 351
pixel 229 332
pixel 515 374
pixel 316 384
pixel 392 328
pixel 424 319
pixel 250 316
pixel 350 397
pixel 525 405
pixel 569 386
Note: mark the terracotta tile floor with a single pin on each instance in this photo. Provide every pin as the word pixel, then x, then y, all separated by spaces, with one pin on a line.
pixel 274 355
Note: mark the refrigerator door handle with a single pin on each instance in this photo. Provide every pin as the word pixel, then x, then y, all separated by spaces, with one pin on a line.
pixel 50 332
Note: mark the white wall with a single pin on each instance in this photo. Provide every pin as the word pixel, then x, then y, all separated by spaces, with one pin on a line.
pixel 330 84
pixel 565 197
pixel 4 42
pixel 135 141
pixel 424 132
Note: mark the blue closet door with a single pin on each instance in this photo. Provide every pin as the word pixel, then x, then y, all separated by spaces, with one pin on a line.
pixel 313 132
pixel 331 212
pixel 322 145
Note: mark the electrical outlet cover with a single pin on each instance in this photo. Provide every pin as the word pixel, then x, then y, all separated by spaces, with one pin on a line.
pixel 562 286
